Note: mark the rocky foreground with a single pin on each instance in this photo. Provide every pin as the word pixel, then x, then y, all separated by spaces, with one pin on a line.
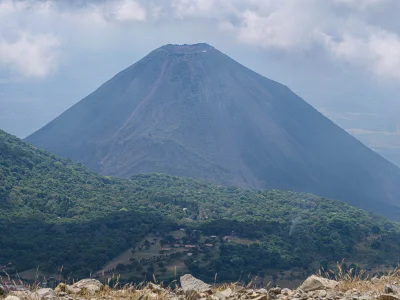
pixel 315 287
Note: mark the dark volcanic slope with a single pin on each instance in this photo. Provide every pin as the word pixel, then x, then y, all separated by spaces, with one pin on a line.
pixel 192 111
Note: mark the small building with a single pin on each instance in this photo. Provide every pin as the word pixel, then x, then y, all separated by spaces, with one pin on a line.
pixel 177 245
pixel 227 238
pixel 190 246
pixel 209 245
pixel 189 254
pixel 214 237
pixel 182 229
pixel 165 249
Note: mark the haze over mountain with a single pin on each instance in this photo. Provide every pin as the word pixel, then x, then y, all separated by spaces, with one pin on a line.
pixel 192 111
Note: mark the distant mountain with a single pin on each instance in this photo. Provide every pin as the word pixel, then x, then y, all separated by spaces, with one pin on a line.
pixel 190 110
pixel 56 213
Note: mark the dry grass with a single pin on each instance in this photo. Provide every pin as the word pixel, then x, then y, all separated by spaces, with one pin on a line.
pixel 361 280
pixel 348 281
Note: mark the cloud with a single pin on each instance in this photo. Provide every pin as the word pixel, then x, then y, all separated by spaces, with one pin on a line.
pixel 31 55
pixel 105 12
pixel 342 29
pixel 22 51
pixel 379 51
pixel 34 51
pixel 127 10
pixel 350 31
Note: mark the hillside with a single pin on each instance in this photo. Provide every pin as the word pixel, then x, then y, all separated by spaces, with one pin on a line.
pixel 192 111
pixel 56 213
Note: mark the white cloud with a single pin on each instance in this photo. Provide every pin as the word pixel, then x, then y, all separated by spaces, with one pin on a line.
pixel 108 12
pixel 341 28
pixel 22 51
pixel 194 8
pixel 264 26
pixel 360 4
pixel 31 50
pixel 32 55
pixel 379 52
pixel 127 10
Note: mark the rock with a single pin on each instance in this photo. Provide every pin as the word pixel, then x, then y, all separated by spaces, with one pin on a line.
pixel 23 295
pixel 275 290
pixel 12 298
pixel 388 297
pixel 272 296
pixel 224 294
pixel 285 291
pixel 62 287
pixel 190 283
pixel 262 291
pixel 192 295
pixel 314 283
pixel 2 290
pixel 45 294
pixel 391 289
pixel 330 294
pixel 261 297
pixel 91 286
pixel 321 293
pixel 71 290
pixel 155 287
pixel 348 293
pixel 365 297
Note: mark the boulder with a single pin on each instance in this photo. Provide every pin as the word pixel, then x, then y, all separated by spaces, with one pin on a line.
pixel 71 290
pixel 23 295
pixel 285 291
pixel 275 290
pixel 192 284
pixel 91 286
pixel 388 297
pixel 262 291
pixel 2 290
pixel 224 294
pixel 261 297
pixel 43 294
pixel 391 289
pixel 321 293
pixel 11 297
pixel 315 283
pixel 61 288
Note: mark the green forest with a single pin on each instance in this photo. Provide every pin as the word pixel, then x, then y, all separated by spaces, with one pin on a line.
pixel 54 212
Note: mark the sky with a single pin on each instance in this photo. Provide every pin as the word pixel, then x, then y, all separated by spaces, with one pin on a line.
pixel 341 56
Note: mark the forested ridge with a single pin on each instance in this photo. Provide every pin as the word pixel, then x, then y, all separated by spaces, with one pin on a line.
pixel 56 213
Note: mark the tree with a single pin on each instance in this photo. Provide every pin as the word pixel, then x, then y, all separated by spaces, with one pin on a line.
pixel 147 244
pixel 120 267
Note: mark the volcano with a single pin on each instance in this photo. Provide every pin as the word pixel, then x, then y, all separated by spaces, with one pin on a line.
pixel 190 110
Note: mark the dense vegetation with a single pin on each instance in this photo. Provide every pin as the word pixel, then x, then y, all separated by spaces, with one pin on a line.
pixel 54 212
